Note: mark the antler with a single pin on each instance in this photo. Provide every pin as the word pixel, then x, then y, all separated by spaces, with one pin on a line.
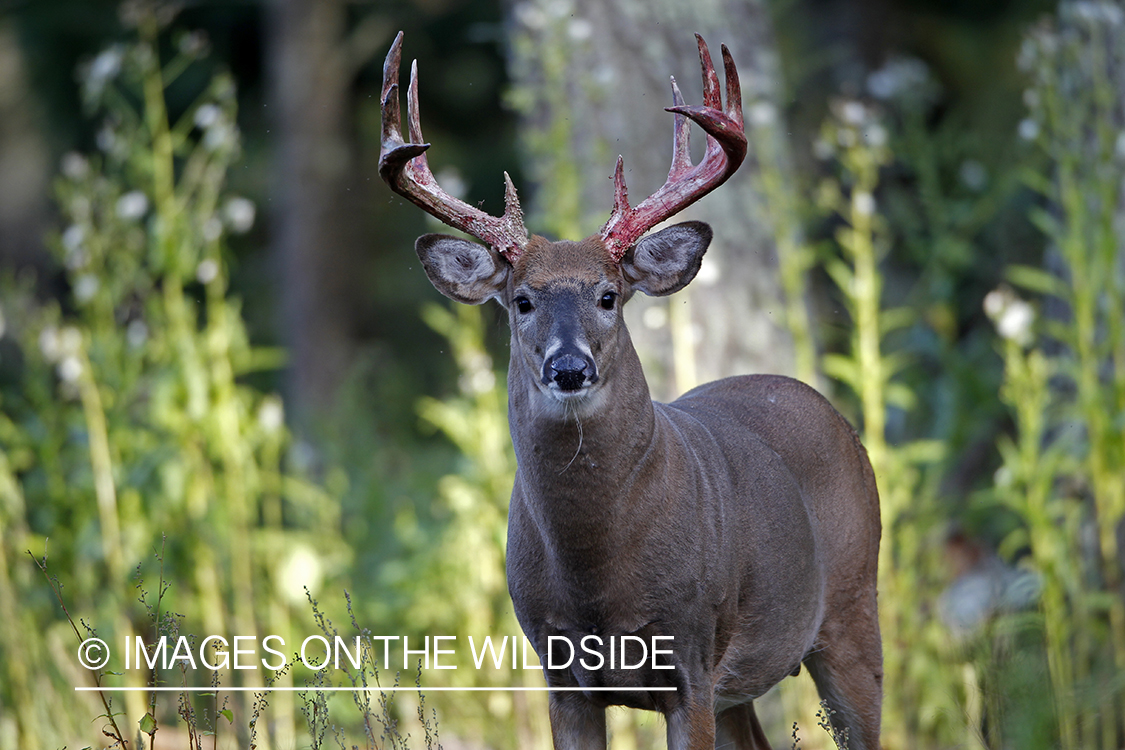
pixel 404 167
pixel 726 148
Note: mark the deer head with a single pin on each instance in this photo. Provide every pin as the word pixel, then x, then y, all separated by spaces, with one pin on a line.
pixel 564 298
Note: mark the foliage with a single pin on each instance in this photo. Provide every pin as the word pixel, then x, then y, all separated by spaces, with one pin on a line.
pixel 955 658
pixel 127 412
pixel 921 681
pixel 1065 367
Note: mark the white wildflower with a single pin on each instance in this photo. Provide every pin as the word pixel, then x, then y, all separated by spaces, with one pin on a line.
pixel 239 214
pixel 69 369
pixel 132 206
pixel 452 182
pixel 222 134
pixel 973 175
pixel 107 64
pixel 73 237
pixel 207 271
pixel 710 272
pixel 212 229
pixel 863 202
pixel 1015 323
pixel 482 381
pixel 900 75
pixel 558 8
pixel 49 345
pixel 1012 316
pixel 74 165
pixel 206 116
pixel 101 70
pixel 1028 54
pixel 994 302
pixel 70 341
pixel 303 456
pixel 655 316
pixel 604 76
pixel 530 16
pixel 580 30
pixel 875 135
pixel 106 139
pixel 271 416
pixel 763 113
pixel 85 287
pixel 853 112
pixel 1094 12
pixel 301 569
pixel 193 43
pixel 136 333
pixel 1002 477
pixel 1028 129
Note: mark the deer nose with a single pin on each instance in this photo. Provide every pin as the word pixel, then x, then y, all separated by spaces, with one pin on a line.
pixel 570 371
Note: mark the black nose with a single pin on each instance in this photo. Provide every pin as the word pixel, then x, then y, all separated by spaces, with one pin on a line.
pixel 569 372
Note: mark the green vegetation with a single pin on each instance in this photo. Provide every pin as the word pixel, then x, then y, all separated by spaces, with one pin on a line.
pixel 131 420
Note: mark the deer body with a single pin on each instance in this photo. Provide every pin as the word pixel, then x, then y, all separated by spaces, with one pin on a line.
pixel 737 526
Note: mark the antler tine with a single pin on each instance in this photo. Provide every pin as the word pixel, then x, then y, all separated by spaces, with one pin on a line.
pixel 412 115
pixel 681 137
pixel 711 94
pixel 726 149
pixel 393 151
pixel 734 89
pixel 404 167
pixel 620 189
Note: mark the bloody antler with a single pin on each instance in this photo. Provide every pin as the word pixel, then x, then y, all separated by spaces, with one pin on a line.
pixel 726 148
pixel 403 166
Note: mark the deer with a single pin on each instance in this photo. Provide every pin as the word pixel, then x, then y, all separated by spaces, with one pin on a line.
pixel 735 529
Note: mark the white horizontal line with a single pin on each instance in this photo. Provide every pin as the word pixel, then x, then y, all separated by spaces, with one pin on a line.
pixel 167 689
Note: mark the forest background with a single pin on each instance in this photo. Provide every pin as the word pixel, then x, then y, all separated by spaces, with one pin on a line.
pixel 228 395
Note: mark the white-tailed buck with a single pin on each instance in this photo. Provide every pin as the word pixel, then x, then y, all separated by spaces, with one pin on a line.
pixel 725 539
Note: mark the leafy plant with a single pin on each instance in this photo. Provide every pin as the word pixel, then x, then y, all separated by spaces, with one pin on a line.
pixel 128 413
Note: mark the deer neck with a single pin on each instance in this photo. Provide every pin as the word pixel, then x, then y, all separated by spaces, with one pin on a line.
pixel 581 463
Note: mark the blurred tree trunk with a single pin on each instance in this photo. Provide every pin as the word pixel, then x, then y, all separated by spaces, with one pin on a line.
pixel 24 174
pixel 592 79
pixel 313 62
pixel 309 93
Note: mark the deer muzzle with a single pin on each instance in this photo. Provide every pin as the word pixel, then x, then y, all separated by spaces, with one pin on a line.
pixel 570 371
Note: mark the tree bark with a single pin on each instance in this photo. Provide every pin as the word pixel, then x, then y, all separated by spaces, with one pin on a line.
pixel 24 172
pixel 310 97
pixel 591 81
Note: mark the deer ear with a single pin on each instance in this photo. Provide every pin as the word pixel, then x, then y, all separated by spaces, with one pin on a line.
pixel 461 270
pixel 665 262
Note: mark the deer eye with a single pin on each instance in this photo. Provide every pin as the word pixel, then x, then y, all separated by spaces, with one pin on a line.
pixel 608 300
pixel 523 304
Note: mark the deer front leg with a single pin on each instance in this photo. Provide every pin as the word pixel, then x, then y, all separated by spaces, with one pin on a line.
pixel 691 725
pixel 576 724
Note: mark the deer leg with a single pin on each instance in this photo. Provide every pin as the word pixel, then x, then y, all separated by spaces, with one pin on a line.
pixel 848 671
pixel 737 728
pixel 576 724
pixel 691 726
